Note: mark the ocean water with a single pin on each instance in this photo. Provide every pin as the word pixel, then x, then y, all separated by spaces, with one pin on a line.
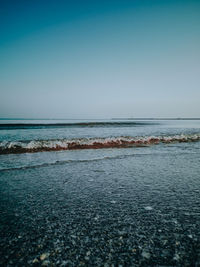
pixel 97 193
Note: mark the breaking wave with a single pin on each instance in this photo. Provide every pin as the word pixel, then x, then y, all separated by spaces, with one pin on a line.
pixel 8 147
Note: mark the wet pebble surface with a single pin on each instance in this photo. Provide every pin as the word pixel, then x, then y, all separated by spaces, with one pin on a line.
pixel 140 211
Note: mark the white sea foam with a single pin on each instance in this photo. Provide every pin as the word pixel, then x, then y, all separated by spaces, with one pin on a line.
pixel 89 143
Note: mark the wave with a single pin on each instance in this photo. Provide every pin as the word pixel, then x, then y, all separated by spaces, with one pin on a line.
pixel 17 126
pixel 10 147
pixel 63 162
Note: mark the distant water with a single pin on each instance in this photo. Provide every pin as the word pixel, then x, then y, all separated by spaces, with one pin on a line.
pixel 100 192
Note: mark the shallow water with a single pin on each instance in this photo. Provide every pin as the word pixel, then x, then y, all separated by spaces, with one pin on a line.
pixel 136 206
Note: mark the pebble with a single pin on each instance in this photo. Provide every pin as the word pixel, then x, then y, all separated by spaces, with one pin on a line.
pixel 146 255
pixel 164 242
pixel 44 256
pixel 35 260
pixel 45 263
pixel 148 208
pixel 176 257
pixel 88 253
pixel 96 218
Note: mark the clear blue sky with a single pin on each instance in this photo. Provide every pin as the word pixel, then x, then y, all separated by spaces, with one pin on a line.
pixel 99 59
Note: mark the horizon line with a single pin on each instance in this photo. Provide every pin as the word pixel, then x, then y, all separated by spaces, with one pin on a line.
pixel 117 118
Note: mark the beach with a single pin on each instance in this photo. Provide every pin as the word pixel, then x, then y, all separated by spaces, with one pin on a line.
pixel 125 206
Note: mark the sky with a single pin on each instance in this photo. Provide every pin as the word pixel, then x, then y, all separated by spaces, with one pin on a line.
pixel 99 59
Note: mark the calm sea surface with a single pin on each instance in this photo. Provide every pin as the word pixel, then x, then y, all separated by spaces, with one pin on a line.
pixel 125 205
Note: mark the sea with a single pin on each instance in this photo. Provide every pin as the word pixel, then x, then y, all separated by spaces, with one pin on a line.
pixel 100 192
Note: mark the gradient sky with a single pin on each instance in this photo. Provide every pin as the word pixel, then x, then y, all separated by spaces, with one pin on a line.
pixel 99 59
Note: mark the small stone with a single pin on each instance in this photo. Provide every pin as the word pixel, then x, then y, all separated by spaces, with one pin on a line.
pixel 35 260
pixel 88 253
pixel 164 242
pixel 148 208
pixel 146 255
pixel 190 236
pixel 176 257
pixel 44 256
